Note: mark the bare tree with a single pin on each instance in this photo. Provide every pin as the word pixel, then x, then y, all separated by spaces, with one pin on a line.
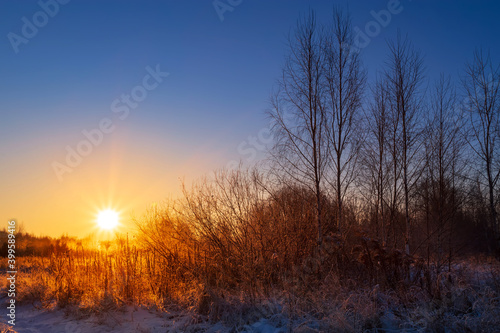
pixel 404 74
pixel 300 147
pixel 395 172
pixel 481 83
pixel 345 82
pixel 443 151
pixel 376 155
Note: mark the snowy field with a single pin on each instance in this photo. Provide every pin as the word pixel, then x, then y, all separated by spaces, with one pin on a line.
pixel 130 319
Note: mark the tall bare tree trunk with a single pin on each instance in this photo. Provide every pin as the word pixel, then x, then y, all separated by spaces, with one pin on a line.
pixel 299 154
pixel 344 82
pixel 405 75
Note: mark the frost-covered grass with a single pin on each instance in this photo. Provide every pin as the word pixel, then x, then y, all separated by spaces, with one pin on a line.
pixel 92 292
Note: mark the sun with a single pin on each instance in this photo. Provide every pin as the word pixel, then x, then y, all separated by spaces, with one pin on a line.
pixel 107 219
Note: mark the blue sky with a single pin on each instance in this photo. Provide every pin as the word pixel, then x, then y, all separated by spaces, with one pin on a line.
pixel 64 79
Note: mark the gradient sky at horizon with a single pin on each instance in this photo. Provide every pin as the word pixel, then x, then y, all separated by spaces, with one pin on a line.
pixel 221 74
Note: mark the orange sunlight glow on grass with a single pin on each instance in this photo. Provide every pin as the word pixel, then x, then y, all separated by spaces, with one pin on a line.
pixel 107 219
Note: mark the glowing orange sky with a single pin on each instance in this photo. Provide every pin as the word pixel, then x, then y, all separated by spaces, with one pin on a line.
pixel 127 174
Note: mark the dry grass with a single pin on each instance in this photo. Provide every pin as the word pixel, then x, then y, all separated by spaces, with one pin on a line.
pixel 466 300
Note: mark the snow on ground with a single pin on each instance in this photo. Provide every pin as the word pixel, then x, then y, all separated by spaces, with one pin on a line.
pixel 132 319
